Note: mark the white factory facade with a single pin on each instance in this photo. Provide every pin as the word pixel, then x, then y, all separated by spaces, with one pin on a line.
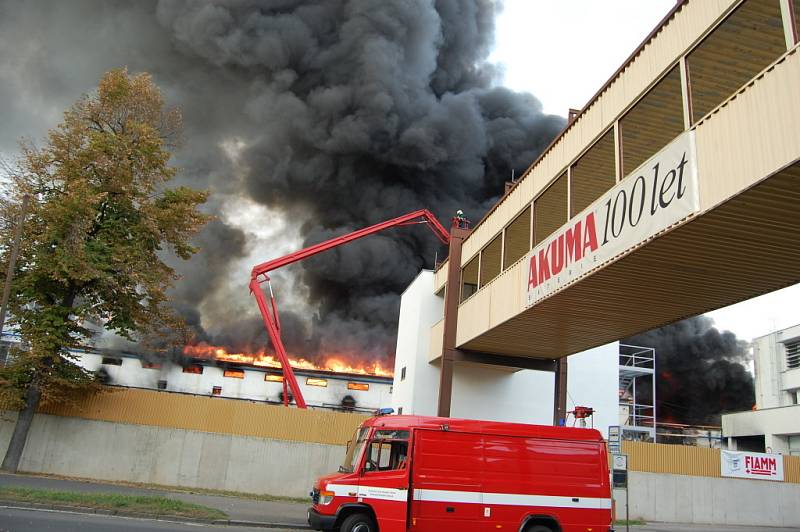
pixel 774 424
pixel 321 389
pixel 495 393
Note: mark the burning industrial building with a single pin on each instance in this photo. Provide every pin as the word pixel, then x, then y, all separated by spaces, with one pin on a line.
pixel 306 119
pixel 701 372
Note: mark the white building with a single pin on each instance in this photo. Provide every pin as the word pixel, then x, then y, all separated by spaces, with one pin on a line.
pixel 321 389
pixel 490 392
pixel 774 425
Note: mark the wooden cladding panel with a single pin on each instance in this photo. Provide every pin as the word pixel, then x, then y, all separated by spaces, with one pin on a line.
pixel 550 209
pixel 469 278
pixel 491 260
pixel 212 414
pixel 744 44
pixel 652 123
pixel 796 15
pixel 518 238
pixel 672 459
pixel 593 174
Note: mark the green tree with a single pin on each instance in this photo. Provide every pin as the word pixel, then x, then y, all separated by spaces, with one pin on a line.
pixel 100 221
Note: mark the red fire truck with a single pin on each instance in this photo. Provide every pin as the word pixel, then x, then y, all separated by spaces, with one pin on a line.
pixel 439 474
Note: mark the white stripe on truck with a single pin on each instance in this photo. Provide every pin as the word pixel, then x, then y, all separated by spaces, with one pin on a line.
pixel 470 497
pixel 512 499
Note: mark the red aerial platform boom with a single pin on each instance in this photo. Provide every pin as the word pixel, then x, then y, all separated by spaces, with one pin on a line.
pixel 272 320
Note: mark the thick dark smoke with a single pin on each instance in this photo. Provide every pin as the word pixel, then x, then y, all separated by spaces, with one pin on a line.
pixel 334 114
pixel 701 371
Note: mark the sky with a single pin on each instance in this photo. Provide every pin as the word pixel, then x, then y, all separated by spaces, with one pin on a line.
pixel 586 42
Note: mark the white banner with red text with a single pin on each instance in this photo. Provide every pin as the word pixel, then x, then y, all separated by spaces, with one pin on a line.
pixel 744 464
pixel 660 193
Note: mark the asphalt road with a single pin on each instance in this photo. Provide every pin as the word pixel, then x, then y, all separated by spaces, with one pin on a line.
pixel 667 527
pixel 19 520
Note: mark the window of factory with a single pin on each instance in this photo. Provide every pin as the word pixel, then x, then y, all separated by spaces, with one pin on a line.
pixel 403 373
pixel 594 172
pixel 653 122
pixel 469 278
pixel 323 383
pixel 273 378
pixel 490 260
pixel 112 361
pixel 792 355
pixel 233 373
pixel 359 386
pixel 194 368
pixel 518 238
pixel 151 365
pixel 739 48
pixel 216 390
pixel 162 385
pixel 550 209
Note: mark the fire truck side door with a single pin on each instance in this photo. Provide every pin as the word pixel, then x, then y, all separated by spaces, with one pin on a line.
pixel 384 478
pixel 446 484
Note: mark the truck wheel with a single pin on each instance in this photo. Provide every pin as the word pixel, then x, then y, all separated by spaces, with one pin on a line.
pixel 358 523
pixel 538 528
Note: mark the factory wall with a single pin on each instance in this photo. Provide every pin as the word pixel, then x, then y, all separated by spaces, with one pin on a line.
pixel 416 386
pixel 252 385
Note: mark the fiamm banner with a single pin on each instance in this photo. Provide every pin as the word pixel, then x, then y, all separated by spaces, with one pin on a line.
pixel 743 464
pixel 660 193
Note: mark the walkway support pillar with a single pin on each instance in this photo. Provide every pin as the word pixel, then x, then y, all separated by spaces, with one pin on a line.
pixel 560 392
pixel 458 232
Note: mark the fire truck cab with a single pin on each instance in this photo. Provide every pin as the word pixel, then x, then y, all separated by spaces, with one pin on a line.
pixel 434 474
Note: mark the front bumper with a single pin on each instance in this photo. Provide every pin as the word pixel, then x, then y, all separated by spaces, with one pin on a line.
pixel 318 521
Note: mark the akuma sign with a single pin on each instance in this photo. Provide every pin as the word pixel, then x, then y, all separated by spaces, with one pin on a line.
pixel 659 194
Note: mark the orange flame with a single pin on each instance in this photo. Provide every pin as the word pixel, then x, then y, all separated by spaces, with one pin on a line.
pixel 337 363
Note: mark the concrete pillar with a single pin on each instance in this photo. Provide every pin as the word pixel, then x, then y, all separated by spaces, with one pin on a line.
pixel 452 295
pixel 560 392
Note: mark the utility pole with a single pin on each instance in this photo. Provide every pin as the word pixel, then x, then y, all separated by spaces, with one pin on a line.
pixel 10 273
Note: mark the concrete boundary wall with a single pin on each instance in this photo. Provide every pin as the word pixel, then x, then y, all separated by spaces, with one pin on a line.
pixel 212 414
pixel 102 450
pixel 707 500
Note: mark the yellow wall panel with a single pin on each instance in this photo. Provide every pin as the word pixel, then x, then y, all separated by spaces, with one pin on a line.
pixel 686 460
pixel 213 414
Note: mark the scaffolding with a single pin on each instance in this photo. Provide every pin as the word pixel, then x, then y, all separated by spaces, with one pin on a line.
pixel 637 411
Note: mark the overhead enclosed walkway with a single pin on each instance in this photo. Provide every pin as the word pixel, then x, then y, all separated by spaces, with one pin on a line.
pixel 675 191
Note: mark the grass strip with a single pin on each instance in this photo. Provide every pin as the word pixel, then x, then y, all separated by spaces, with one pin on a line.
pixel 142 504
pixel 632 522
pixel 195 491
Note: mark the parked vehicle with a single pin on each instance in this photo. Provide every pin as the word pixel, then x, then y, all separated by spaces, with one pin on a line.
pixel 440 474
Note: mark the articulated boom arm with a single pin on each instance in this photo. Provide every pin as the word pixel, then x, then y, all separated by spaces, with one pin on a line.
pixel 272 319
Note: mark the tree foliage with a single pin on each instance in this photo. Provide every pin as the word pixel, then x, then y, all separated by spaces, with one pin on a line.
pixel 100 221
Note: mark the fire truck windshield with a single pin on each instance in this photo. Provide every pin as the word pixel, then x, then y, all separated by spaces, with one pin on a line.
pixel 354 448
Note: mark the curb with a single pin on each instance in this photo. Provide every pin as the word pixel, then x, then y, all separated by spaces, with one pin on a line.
pixel 258 524
pixel 17 505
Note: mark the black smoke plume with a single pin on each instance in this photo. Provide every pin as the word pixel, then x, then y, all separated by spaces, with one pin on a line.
pixel 334 114
pixel 700 371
